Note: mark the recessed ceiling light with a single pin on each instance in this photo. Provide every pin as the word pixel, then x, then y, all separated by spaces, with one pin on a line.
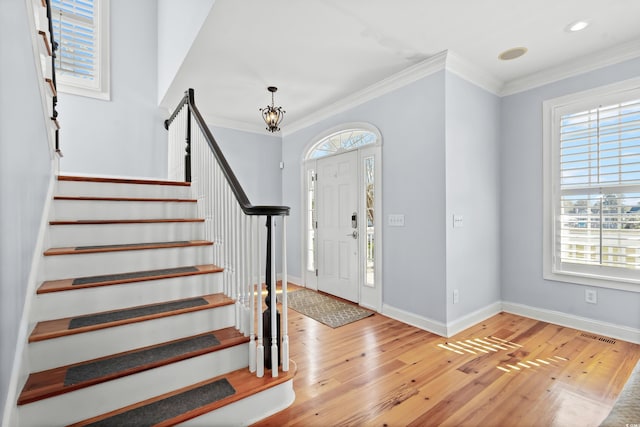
pixel 577 26
pixel 512 53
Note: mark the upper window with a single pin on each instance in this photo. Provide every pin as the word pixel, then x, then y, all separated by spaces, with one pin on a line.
pixel 344 140
pixel 593 186
pixel 82 61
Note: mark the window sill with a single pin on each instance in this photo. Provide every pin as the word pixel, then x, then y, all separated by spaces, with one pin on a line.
pixel 86 92
pixel 594 281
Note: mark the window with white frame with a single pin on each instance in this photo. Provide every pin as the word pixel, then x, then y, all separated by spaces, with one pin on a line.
pixel 592 187
pixel 82 61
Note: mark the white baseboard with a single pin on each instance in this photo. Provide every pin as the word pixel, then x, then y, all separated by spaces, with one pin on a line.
pixel 413 319
pixel 582 323
pixel 292 279
pixel 473 318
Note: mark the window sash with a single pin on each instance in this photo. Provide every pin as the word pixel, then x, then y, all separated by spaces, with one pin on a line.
pixel 592 187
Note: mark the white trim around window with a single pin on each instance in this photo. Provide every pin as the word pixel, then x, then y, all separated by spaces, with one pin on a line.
pixel 96 83
pixel 591 170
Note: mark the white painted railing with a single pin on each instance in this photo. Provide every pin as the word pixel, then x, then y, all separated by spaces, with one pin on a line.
pixel 234 227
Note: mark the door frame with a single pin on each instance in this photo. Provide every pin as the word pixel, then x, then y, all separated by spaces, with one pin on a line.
pixel 368 296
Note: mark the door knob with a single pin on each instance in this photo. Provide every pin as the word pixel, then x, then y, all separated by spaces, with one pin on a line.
pixel 354 234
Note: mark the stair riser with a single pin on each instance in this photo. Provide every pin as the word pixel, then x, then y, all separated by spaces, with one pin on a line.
pixel 57 305
pixel 101 398
pixel 106 189
pixel 63 236
pixel 97 209
pixel 81 265
pixel 55 352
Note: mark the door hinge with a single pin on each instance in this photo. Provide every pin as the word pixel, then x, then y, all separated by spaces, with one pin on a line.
pixel 316 225
pixel 316 272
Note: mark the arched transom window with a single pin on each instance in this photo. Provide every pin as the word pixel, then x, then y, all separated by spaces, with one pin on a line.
pixel 343 140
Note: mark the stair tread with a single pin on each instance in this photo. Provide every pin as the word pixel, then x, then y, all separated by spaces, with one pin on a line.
pixel 114 279
pixel 125 199
pixel 243 382
pixel 125 247
pixel 49 329
pixel 53 382
pixel 122 221
pixel 122 180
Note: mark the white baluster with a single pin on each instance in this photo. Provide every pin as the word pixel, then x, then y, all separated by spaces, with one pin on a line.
pixel 274 308
pixel 252 296
pixel 246 266
pixel 260 349
pixel 285 325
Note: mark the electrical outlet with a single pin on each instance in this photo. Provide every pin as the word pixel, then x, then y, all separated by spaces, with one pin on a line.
pixel 456 296
pixel 591 296
pixel 458 221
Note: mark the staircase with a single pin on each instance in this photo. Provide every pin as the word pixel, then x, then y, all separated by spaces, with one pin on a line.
pixel 131 325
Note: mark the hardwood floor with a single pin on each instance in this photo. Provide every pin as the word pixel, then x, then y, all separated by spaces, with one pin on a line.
pixel 513 371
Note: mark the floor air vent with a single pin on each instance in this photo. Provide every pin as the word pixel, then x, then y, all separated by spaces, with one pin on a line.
pixel 603 339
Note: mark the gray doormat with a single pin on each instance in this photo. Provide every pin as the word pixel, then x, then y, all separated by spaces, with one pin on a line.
pixel 103 368
pixel 156 412
pixel 129 245
pixel 330 311
pixel 130 313
pixel 134 275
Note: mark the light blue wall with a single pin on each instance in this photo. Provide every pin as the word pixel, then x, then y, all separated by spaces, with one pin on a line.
pixel 521 206
pixel 472 191
pixel 255 159
pixel 124 136
pixel 412 122
pixel 179 22
pixel 25 173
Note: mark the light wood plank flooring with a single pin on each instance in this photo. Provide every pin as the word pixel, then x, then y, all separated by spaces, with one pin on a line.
pixel 381 372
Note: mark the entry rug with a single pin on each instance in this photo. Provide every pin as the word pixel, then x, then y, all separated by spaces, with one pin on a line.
pixel 330 311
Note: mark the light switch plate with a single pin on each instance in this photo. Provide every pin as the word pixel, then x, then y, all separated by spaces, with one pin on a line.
pixel 396 220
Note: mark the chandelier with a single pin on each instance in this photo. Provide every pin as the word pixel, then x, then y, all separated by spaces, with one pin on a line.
pixel 271 114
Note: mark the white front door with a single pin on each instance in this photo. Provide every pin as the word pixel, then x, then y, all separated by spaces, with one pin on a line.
pixel 338 220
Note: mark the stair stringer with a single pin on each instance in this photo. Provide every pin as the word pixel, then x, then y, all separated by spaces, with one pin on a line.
pixel 20 369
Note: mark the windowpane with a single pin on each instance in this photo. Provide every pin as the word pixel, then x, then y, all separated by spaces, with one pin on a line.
pixel 74 29
pixel 599 206
pixel 343 141
pixel 369 185
pixel 311 219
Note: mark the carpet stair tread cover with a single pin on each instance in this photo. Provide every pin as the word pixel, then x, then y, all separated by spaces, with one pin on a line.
pixel 130 277
pixel 56 381
pixel 78 324
pixel 191 401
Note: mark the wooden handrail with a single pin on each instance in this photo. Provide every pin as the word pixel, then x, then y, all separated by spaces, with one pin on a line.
pixel 238 191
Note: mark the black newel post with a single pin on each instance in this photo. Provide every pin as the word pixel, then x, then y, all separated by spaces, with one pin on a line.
pixel 271 304
pixel 187 156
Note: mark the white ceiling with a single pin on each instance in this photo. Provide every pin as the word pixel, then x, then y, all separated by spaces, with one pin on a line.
pixel 319 52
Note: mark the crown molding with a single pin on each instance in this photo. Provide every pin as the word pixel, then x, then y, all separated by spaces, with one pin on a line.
pixel 402 78
pixel 456 64
pixel 583 64
pixel 473 74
